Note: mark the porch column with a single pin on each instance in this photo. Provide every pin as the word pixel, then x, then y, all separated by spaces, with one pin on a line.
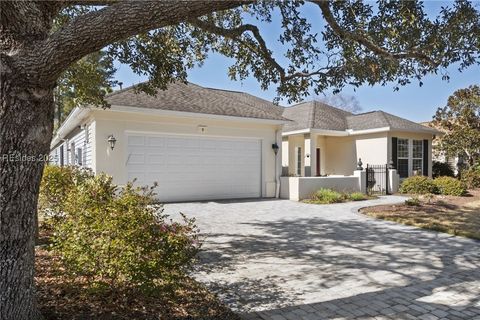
pixel 313 155
pixel 307 155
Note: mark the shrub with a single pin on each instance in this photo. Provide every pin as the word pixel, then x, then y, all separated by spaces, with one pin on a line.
pixel 357 196
pixel 324 195
pixel 57 183
pixel 418 185
pixel 449 186
pixel 414 201
pixel 471 178
pixel 117 237
pixel 442 169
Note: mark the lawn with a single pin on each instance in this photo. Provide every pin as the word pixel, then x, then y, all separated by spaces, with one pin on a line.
pixel 61 298
pixel 454 215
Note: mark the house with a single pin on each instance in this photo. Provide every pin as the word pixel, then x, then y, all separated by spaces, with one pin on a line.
pixel 324 141
pixel 197 143
pixel 201 143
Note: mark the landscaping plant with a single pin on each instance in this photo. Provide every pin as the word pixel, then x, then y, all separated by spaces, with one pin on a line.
pixel 471 178
pixel 324 195
pixel 418 185
pixel 357 196
pixel 442 169
pixel 450 186
pixel 118 237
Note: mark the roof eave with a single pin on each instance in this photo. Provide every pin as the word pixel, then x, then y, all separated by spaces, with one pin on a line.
pixel 161 112
pixel 74 119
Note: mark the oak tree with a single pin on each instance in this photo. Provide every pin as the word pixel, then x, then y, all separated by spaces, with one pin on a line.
pixel 358 43
pixel 460 121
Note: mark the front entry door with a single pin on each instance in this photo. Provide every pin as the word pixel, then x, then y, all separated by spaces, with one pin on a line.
pixel 317 157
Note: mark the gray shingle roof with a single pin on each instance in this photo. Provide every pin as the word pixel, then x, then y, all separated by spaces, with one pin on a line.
pixel 315 115
pixel 194 98
pixel 318 115
pixel 380 119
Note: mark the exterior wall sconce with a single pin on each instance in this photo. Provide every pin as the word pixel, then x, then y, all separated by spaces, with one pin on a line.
pixel 275 148
pixel 111 141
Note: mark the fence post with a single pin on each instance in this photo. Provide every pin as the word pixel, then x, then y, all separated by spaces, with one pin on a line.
pixel 387 183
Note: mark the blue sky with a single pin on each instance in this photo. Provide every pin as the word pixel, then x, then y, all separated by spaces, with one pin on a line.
pixel 411 102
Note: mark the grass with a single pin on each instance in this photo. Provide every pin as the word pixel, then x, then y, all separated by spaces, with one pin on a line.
pixel 62 298
pixel 328 196
pixel 452 215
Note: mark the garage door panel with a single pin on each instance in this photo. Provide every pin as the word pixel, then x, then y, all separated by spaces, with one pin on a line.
pixel 196 168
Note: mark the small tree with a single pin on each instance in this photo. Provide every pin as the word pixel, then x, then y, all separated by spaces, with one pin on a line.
pixel 460 120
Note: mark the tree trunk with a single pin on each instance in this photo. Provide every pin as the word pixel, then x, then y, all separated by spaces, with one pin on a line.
pixel 26 124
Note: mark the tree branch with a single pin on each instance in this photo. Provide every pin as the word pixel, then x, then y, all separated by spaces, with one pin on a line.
pixel 95 30
pixel 362 38
pixel 261 49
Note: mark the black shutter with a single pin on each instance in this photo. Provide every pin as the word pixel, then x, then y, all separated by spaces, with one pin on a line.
pixel 394 152
pixel 425 157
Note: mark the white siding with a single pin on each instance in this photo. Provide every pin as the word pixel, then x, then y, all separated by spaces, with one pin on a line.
pixel 84 140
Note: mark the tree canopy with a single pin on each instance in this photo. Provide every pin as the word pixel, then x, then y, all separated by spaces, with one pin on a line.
pixel 50 44
pixel 361 43
pixel 460 120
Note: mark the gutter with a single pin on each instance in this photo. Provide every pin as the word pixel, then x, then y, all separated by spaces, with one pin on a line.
pixel 74 119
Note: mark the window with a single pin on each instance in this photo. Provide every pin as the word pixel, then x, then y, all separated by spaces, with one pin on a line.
pixel 298 162
pixel 62 161
pixel 417 157
pixel 72 153
pixel 402 154
pixel 79 157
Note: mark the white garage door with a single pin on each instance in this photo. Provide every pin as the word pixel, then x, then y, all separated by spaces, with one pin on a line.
pixel 195 168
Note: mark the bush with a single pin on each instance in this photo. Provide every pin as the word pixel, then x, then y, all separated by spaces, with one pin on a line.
pixel 418 185
pixel 471 178
pixel 442 169
pixel 414 202
pixel 357 196
pixel 450 186
pixel 324 195
pixel 118 237
pixel 57 183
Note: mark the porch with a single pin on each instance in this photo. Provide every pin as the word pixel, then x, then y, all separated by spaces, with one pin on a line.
pixel 315 154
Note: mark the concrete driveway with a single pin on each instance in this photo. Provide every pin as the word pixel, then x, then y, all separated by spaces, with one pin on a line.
pixel 279 259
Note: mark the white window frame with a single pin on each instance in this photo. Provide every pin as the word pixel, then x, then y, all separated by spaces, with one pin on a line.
pixel 298 161
pixel 73 154
pixel 409 152
pixel 421 158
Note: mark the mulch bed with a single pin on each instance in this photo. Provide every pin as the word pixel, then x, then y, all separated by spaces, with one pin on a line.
pixel 61 298
pixel 453 215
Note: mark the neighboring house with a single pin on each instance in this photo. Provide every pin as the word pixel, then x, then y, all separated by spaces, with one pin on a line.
pixel 196 143
pixel 438 155
pixel 323 140
pixel 200 143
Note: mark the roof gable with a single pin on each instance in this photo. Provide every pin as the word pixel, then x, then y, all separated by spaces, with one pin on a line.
pixel 318 115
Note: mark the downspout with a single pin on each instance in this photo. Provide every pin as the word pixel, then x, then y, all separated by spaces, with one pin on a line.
pixel 277 175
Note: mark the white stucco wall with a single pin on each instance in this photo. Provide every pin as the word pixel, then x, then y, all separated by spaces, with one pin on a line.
pixel 372 148
pixel 113 162
pixel 340 155
pixel 299 188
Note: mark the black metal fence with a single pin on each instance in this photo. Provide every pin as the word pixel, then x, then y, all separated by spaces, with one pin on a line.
pixel 377 179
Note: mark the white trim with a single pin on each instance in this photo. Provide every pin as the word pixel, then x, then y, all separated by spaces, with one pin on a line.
pixel 166 133
pixel 74 119
pixel 366 131
pixel 351 132
pixel 183 114
pixel 289 133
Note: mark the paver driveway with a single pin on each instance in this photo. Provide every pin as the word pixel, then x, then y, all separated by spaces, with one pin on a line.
pixel 278 259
